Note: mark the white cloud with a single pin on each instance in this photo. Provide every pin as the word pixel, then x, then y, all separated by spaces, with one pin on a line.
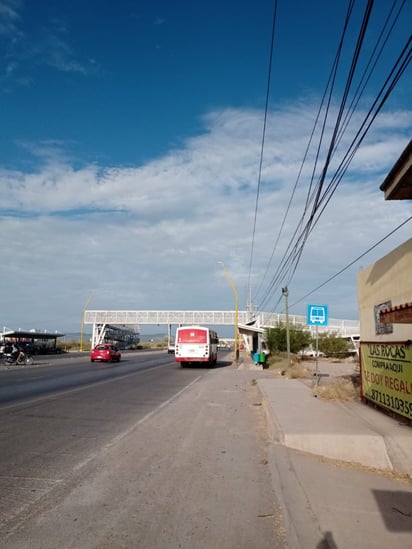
pixel 9 16
pixel 150 237
pixel 28 48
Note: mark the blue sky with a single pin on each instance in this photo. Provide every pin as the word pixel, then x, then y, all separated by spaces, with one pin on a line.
pixel 130 154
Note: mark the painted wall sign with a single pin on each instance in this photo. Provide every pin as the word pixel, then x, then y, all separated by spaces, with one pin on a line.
pixel 386 370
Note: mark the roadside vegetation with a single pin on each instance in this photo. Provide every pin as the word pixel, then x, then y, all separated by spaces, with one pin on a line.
pixel 74 346
pixel 151 345
pixel 335 349
pixel 339 388
pixel 329 345
pixel 276 339
pixel 333 346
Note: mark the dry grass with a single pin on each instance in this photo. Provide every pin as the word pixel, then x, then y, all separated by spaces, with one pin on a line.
pixel 339 388
pixel 298 371
pixel 277 361
pixel 279 364
pixel 333 385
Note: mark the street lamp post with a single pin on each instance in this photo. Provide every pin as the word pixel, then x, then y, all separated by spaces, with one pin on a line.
pixel 91 296
pixel 285 292
pixel 232 285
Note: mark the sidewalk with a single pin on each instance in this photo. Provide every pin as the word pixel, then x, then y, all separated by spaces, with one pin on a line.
pixel 347 431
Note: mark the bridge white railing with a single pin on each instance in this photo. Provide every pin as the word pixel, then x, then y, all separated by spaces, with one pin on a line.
pixel 223 318
pixel 163 317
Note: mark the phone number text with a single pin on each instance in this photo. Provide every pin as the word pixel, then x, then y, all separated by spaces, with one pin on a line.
pixel 394 403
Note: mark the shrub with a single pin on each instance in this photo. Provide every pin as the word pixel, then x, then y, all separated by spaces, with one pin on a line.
pixel 333 346
pixel 276 338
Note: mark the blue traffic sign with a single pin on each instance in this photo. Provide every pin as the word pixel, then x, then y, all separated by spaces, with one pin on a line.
pixel 317 315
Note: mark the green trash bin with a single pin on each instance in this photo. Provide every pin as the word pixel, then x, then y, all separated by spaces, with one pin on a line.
pixel 262 358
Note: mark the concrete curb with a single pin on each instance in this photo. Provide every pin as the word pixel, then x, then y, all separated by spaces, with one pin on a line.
pixel 302 422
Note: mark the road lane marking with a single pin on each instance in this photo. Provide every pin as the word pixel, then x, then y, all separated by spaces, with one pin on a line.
pixel 130 429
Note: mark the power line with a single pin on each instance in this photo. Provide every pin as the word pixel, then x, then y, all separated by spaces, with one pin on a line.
pixel 319 198
pixel 263 142
pixel 352 262
pixel 311 192
pixel 291 258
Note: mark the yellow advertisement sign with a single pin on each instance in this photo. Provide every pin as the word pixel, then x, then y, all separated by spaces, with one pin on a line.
pixel 387 375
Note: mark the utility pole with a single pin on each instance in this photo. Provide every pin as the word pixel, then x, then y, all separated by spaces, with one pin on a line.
pixel 285 292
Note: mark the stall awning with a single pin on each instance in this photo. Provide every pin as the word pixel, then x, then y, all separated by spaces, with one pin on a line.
pixel 30 334
pixel 249 329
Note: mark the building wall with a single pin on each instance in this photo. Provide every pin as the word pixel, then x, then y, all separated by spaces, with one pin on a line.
pixel 386 283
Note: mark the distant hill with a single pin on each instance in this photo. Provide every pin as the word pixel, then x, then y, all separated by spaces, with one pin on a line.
pixel 153 337
pixel 75 336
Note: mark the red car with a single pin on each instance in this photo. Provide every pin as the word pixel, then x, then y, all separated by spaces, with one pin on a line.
pixel 105 352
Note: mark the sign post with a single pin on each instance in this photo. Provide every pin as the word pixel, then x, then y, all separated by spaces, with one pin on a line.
pixel 317 315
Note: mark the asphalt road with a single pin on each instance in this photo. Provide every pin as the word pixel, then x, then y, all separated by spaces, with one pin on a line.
pixel 137 454
pixel 63 408
pixel 55 373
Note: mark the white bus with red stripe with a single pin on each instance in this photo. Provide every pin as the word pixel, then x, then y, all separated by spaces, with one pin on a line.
pixel 196 344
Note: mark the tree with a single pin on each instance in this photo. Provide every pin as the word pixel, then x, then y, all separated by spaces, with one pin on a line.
pixel 276 338
pixel 332 345
pixel 299 338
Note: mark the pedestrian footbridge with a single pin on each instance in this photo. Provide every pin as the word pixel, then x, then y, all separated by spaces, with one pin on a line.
pixel 104 321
